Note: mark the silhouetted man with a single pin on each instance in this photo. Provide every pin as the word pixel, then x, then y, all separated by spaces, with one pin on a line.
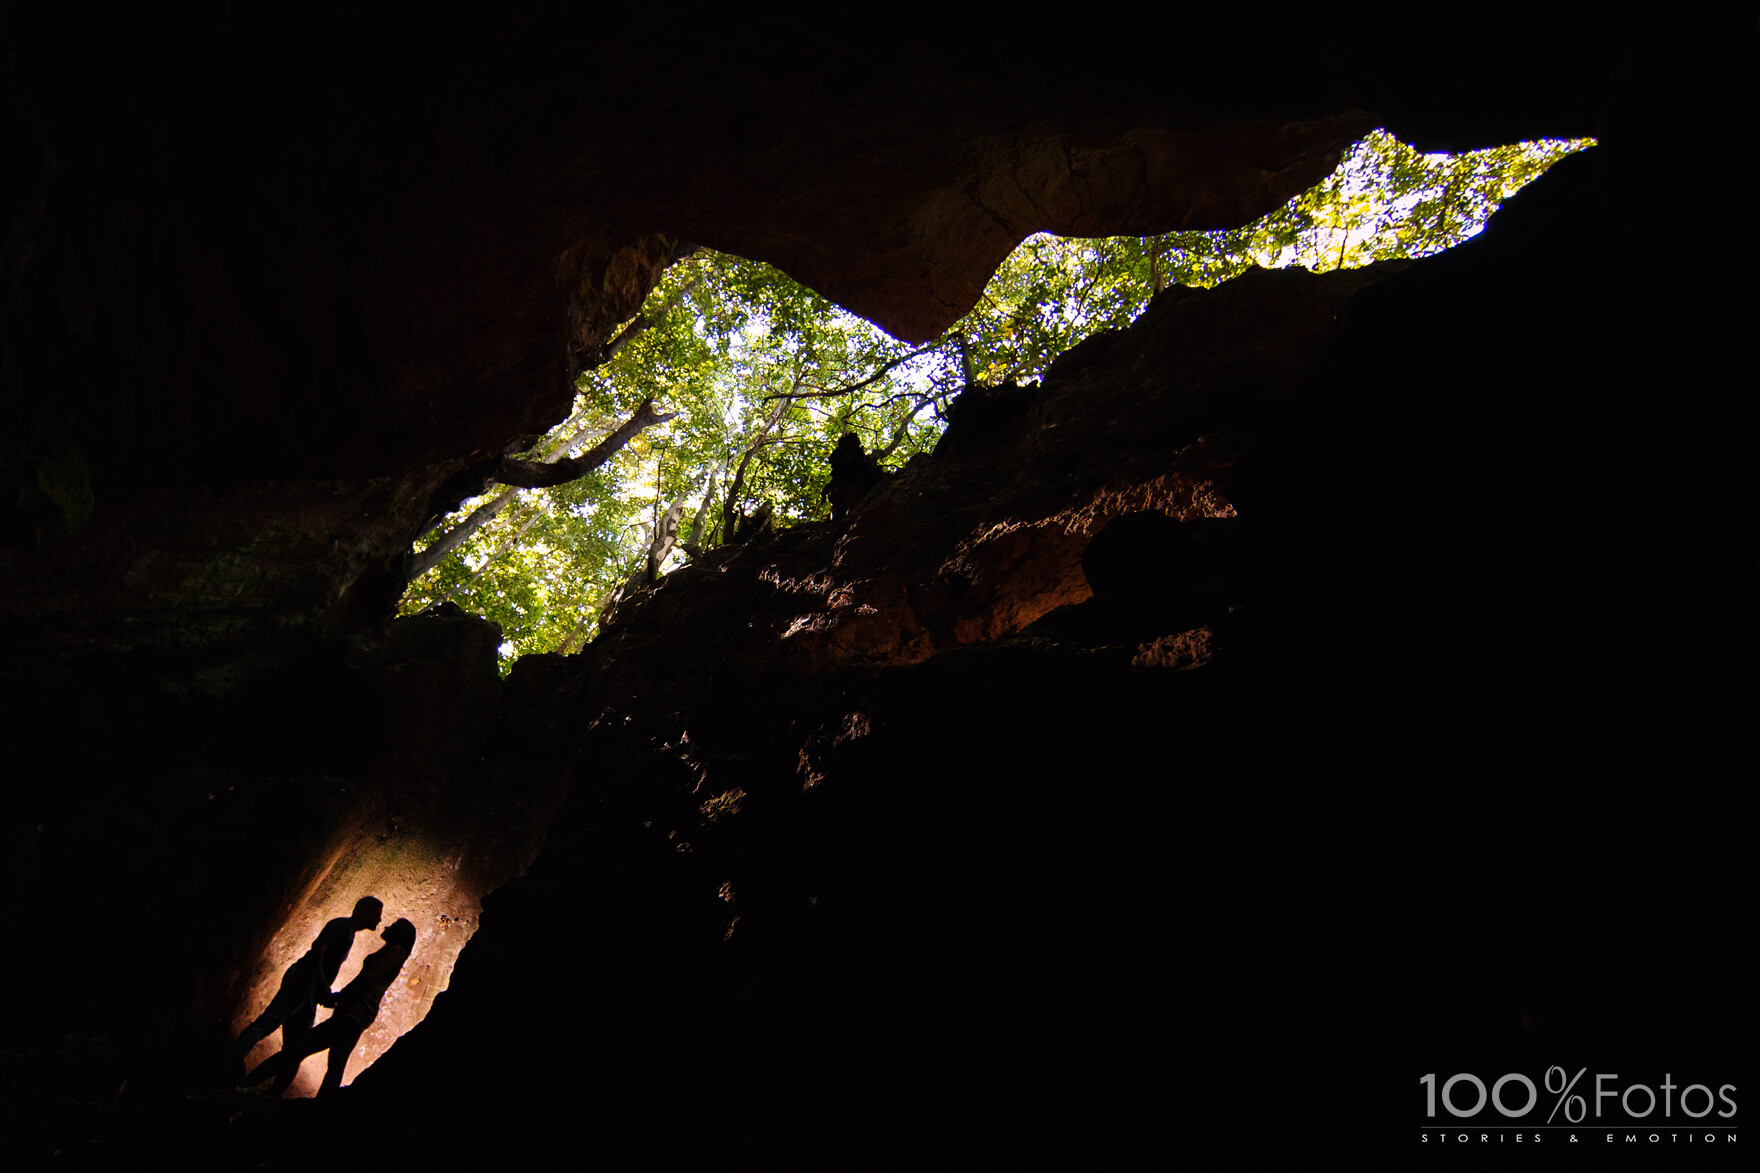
pixel 306 984
pixel 357 1006
pixel 853 476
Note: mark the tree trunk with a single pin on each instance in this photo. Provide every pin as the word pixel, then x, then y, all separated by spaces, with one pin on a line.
pixel 694 545
pixel 665 536
pixel 503 548
pixel 902 430
pixel 419 564
pixel 965 359
pixel 577 637
pixel 728 518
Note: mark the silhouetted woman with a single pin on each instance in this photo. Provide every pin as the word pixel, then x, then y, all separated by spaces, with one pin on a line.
pixel 356 1008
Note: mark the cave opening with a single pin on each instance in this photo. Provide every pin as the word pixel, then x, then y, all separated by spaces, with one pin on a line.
pixel 759 376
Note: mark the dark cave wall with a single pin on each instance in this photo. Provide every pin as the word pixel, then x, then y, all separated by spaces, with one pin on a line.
pixel 233 271
pixel 1475 720
pixel 331 316
pixel 1435 800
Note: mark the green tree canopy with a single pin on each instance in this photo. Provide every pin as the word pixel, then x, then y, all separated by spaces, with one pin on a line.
pixel 761 376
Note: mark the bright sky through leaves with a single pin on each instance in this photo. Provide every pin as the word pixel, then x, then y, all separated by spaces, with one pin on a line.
pixel 765 375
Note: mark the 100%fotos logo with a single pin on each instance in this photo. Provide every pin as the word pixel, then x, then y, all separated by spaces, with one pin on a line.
pixel 1575 1107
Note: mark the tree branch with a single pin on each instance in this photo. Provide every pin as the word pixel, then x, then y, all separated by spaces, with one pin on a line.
pixel 871 379
pixel 546 471
pixel 903 428
pixel 534 475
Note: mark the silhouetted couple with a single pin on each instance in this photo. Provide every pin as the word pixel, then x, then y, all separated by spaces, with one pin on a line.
pixel 306 986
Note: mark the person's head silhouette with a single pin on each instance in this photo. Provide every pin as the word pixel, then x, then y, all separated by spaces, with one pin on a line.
pixel 400 932
pixel 367 911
